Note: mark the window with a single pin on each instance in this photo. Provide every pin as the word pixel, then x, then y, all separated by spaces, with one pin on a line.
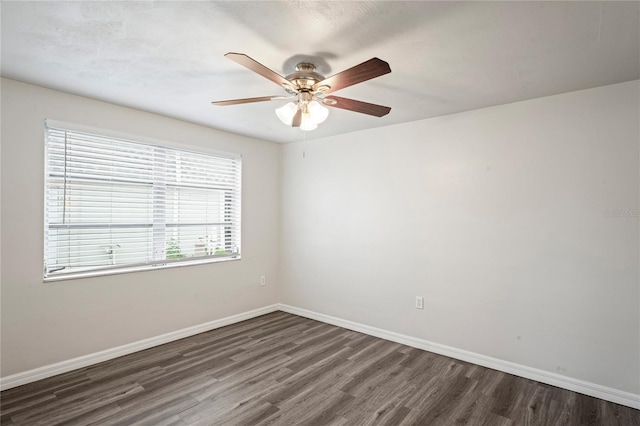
pixel 114 205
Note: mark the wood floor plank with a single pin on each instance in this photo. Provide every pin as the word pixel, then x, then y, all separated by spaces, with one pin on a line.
pixel 508 394
pixel 461 413
pixel 309 410
pixel 60 410
pixel 94 416
pixel 155 412
pixel 305 381
pixel 384 401
pixel 231 399
pixel 281 369
pixel 528 413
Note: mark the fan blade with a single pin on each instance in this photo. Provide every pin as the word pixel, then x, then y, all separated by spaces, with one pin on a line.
pixel 372 68
pixel 357 106
pixel 249 100
pixel 297 119
pixel 257 67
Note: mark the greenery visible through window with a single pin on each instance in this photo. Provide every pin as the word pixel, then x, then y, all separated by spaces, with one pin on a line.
pixel 174 252
pixel 115 205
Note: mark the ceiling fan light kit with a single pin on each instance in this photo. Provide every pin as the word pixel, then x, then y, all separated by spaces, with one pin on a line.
pixel 312 114
pixel 310 89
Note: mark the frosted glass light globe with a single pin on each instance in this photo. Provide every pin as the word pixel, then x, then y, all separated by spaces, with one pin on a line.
pixel 286 112
pixel 318 112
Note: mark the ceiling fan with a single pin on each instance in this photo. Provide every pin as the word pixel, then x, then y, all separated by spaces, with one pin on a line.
pixel 309 89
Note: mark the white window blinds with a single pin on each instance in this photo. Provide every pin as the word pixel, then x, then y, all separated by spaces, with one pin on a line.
pixel 114 205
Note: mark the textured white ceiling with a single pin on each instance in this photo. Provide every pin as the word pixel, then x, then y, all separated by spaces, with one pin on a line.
pixel 446 57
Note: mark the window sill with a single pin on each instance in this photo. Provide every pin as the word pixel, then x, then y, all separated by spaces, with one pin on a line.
pixel 126 270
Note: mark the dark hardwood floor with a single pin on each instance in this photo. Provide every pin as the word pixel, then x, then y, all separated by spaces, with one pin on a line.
pixel 281 369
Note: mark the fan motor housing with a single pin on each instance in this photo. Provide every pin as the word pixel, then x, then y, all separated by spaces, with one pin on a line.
pixel 305 77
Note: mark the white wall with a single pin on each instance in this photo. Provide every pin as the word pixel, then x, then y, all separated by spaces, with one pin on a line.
pixel 498 217
pixel 47 323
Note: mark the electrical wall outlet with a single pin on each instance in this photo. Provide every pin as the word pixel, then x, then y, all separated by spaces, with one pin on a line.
pixel 263 280
pixel 419 302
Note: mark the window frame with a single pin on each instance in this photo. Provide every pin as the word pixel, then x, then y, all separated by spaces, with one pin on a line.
pixel 153 144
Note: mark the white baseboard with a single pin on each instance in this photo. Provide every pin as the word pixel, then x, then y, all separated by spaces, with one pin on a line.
pixel 86 360
pixel 576 385
pixel 608 394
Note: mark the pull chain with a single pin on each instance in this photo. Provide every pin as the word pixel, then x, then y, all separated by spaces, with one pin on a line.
pixel 304 143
